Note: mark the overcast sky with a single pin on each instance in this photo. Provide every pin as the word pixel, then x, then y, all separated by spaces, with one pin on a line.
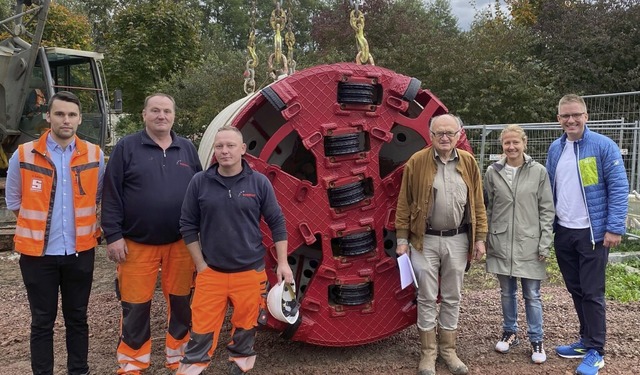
pixel 465 11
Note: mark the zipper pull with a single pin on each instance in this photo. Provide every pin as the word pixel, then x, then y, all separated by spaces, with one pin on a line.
pixel 229 193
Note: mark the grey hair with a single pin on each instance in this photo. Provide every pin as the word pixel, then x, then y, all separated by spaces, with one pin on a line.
pixel 458 119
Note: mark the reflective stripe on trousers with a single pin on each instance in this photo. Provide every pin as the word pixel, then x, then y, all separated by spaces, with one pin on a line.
pixel 136 282
pixel 246 291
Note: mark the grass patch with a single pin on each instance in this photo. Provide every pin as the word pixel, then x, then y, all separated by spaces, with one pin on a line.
pixel 622 285
pixel 628 244
pixel 554 277
pixel 477 277
pixel 635 263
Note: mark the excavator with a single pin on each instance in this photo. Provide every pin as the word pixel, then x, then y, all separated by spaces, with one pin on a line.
pixel 30 74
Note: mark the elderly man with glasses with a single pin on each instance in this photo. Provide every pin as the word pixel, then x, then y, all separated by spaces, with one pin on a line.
pixel 441 223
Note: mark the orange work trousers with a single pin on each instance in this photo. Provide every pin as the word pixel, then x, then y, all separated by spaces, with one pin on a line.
pixel 246 291
pixel 137 277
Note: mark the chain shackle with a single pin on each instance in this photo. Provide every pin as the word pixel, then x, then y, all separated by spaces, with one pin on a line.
pixel 276 72
pixel 356 19
pixel 290 41
pixel 278 20
pixel 251 49
pixel 249 78
pixel 249 85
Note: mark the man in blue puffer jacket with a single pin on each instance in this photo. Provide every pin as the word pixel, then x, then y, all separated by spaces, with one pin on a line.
pixel 590 191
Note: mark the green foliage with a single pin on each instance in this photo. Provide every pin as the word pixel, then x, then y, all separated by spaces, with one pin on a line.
pixel 98 12
pixel 622 285
pixel 129 124
pixel 635 263
pixel 503 70
pixel 202 91
pixel 232 18
pixel 554 277
pixel 493 77
pixel 628 245
pixel 5 9
pixel 593 46
pixel 149 42
pixel 66 29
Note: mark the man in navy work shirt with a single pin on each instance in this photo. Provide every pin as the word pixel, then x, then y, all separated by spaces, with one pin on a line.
pixel 145 182
pixel 220 224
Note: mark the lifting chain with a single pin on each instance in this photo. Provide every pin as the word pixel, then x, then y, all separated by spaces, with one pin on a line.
pixel 290 40
pixel 278 20
pixel 356 20
pixel 252 57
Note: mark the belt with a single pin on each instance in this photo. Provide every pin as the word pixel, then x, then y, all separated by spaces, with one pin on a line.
pixel 464 228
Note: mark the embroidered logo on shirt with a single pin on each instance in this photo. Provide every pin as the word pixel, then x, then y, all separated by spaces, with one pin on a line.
pixel 36 185
pixel 182 164
pixel 246 195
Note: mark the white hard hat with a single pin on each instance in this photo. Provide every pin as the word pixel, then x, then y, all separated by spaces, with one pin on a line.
pixel 282 302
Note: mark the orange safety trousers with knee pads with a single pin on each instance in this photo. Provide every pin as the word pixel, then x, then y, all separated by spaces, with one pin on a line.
pixel 136 284
pixel 246 291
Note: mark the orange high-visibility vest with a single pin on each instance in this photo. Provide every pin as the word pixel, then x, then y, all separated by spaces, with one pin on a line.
pixel 39 180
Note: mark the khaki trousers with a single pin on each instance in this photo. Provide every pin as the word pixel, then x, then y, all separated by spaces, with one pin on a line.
pixel 444 257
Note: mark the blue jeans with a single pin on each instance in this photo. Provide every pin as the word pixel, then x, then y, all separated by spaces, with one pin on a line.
pixel 532 305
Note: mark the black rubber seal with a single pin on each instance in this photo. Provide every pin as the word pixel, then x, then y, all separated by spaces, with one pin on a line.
pixel 273 98
pixel 412 90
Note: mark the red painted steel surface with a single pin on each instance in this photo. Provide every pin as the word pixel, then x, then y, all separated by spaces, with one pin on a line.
pixel 312 111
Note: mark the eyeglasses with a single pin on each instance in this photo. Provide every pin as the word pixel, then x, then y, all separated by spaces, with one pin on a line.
pixel 576 116
pixel 442 134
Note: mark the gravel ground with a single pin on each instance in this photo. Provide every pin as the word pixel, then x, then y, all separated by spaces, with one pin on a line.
pixel 480 327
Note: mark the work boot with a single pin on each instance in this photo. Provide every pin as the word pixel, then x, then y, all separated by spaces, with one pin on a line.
pixel 447 346
pixel 234 369
pixel 428 352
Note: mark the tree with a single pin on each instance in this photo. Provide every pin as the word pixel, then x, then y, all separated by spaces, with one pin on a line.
pixel 5 9
pixel 66 29
pixel 491 76
pixel 525 12
pixel 149 42
pixel 99 12
pixel 202 91
pixel 63 28
pixel 593 47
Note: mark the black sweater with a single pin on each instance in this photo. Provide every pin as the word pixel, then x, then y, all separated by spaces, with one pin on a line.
pixel 227 218
pixel 144 187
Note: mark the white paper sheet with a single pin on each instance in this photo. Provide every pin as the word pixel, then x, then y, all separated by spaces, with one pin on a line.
pixel 407 276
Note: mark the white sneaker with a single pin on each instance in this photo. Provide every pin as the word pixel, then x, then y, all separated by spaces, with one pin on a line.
pixel 508 340
pixel 537 352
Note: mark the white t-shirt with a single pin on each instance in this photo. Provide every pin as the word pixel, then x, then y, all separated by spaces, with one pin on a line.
pixel 570 206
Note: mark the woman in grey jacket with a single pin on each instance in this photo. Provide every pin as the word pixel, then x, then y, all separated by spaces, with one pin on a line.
pixel 520 214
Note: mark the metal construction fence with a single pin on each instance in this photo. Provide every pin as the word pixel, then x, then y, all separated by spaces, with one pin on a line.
pixel 615 115
pixel 484 140
pixel 624 105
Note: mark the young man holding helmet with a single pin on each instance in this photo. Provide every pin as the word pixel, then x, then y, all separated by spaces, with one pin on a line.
pixel 220 224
